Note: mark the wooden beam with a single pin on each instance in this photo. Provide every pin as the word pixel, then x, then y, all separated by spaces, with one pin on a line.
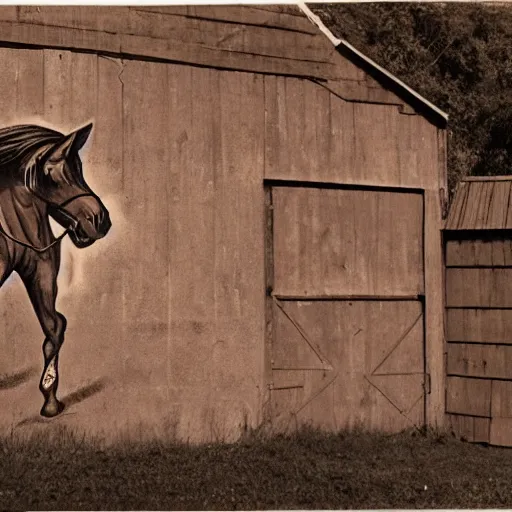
pixel 153 48
pixel 434 309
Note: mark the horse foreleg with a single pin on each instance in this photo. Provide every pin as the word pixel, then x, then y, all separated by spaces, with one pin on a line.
pixel 50 376
pixel 41 286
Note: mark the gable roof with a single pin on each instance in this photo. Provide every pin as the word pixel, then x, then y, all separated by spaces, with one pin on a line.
pixel 481 203
pixel 378 72
pixel 270 39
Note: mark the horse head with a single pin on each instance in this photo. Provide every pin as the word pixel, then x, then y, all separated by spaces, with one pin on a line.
pixel 60 183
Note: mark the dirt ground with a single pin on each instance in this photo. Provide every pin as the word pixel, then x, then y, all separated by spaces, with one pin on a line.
pixel 306 470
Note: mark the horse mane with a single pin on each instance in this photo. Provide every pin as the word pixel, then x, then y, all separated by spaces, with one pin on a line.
pixel 19 143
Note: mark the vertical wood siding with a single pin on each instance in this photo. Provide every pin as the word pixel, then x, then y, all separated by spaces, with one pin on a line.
pixel 166 315
pixel 313 135
pixel 347 242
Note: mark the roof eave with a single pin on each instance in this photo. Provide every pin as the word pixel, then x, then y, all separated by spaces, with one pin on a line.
pixel 409 95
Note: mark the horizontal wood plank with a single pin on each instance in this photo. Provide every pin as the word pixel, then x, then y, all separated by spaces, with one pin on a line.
pixel 159 48
pixel 468 396
pixel 293 10
pixel 170 10
pixel 133 19
pixel 470 428
pixel 252 15
pixel 333 297
pixel 479 325
pixel 254 39
pixel 470 253
pixel 490 361
pixel 58 37
pixel 474 287
pixel 359 90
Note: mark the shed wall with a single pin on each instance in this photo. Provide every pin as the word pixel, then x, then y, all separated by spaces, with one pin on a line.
pixel 479 335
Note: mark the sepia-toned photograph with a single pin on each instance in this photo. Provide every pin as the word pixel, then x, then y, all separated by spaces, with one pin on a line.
pixel 256 256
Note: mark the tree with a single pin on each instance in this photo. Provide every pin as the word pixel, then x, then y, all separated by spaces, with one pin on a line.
pixel 459 56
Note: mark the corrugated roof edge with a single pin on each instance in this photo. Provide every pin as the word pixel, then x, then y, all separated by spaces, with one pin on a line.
pixel 411 96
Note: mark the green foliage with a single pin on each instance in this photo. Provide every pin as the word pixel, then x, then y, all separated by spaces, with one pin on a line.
pixel 458 56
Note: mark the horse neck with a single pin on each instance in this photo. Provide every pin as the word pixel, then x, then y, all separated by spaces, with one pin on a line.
pixel 23 215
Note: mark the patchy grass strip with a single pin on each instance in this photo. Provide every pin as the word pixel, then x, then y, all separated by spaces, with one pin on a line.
pixel 306 470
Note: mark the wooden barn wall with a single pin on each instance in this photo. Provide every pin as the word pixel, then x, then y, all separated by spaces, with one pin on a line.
pixel 313 135
pixel 164 319
pixel 479 336
pixel 257 38
pixel 236 37
pixel 166 325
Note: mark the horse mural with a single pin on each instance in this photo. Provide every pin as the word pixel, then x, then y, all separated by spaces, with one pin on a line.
pixel 41 176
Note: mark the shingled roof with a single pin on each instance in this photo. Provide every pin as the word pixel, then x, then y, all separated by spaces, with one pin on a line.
pixel 481 203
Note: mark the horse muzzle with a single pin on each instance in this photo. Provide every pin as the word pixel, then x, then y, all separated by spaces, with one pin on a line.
pixel 86 219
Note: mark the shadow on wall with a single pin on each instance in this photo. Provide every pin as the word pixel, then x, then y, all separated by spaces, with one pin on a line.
pixel 73 398
pixel 85 392
pixel 17 379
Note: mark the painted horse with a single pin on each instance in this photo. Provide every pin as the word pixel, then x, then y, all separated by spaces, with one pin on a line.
pixel 41 176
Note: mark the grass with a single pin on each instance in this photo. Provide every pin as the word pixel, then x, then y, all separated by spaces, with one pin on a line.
pixel 306 470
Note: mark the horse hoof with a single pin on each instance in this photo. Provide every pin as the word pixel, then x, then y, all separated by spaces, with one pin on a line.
pixel 53 409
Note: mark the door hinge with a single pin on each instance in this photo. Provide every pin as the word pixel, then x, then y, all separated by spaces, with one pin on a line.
pixel 427 384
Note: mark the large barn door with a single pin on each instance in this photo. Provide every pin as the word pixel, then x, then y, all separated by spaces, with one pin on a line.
pixel 345 315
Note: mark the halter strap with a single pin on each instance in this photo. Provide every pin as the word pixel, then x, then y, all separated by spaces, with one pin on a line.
pixel 71 199
pixel 30 246
pixel 59 207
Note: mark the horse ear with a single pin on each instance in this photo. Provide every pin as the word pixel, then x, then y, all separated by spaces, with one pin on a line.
pixel 73 143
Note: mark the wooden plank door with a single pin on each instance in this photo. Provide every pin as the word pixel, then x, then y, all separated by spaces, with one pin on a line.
pixel 345 311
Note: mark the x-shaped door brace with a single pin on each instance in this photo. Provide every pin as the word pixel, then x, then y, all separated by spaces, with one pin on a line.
pixel 326 365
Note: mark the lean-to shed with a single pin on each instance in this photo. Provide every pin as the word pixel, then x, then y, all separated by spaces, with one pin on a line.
pixel 277 203
pixel 479 310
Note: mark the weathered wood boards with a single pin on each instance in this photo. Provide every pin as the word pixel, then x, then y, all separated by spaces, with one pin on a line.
pixel 478 287
pixel 479 309
pixel 165 323
pixel 470 428
pixel 249 39
pixel 473 325
pixel 343 364
pixel 245 38
pixel 324 138
pixel 347 242
pixel 481 204
pixel 489 251
pixel 166 315
pixel 341 356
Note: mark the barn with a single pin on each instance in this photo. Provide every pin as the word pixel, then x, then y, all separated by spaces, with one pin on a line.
pixel 479 310
pixel 277 201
